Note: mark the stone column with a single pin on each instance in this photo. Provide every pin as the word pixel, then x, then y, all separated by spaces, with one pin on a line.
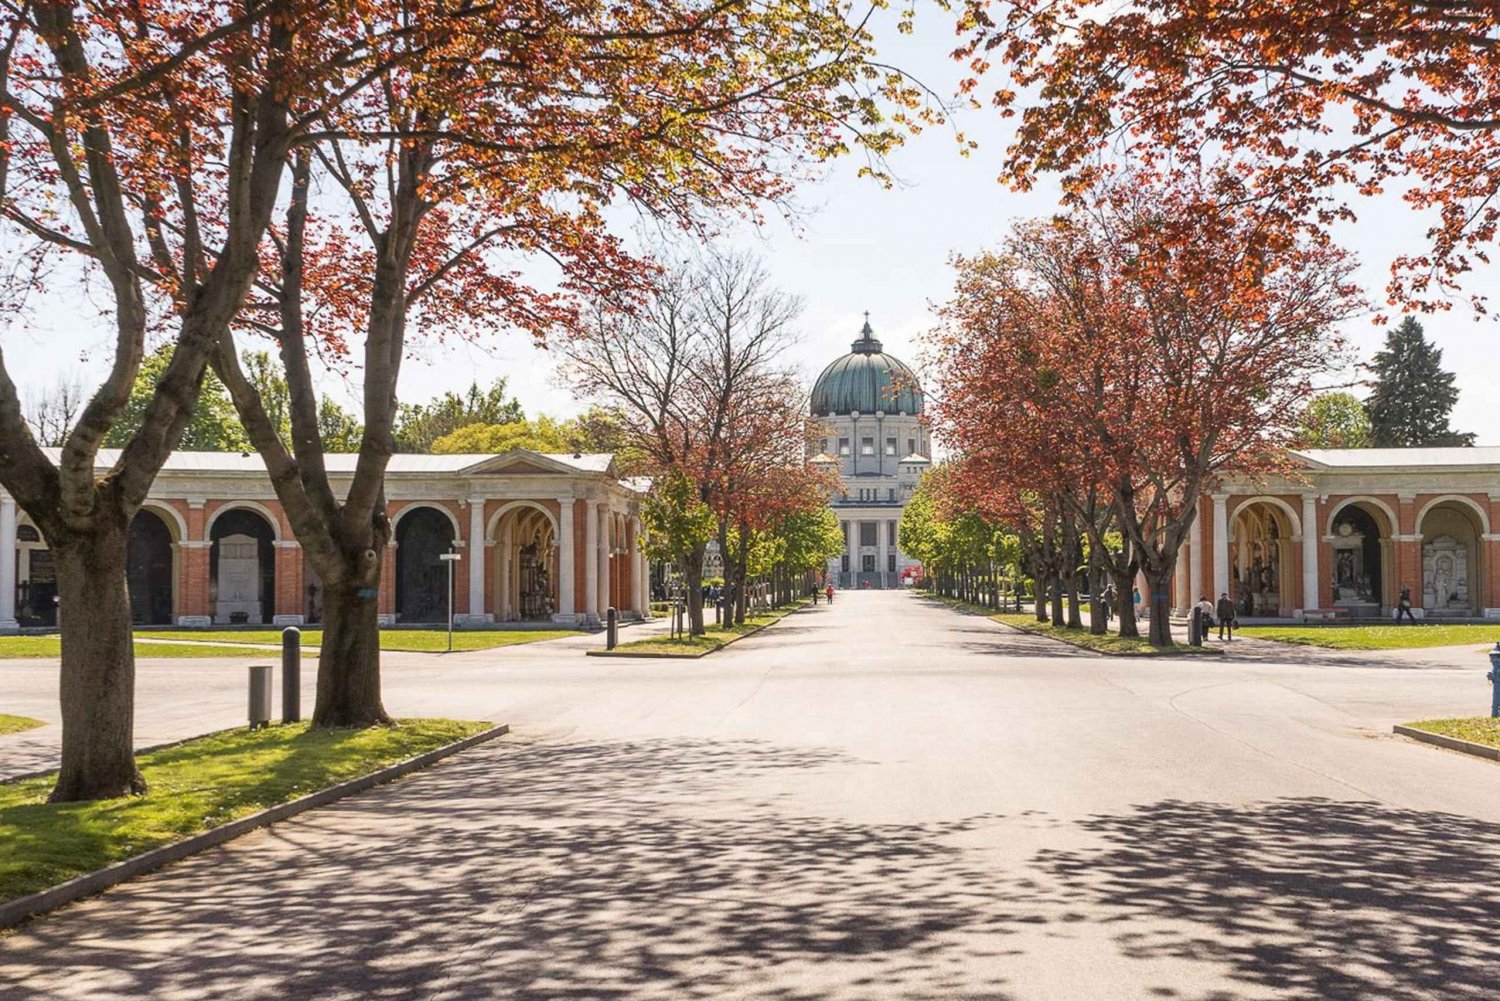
pixel 591 560
pixel 8 565
pixel 476 554
pixel 567 608
pixel 1195 561
pixel 503 607
pixel 606 595
pixel 880 552
pixel 1311 533
pixel 851 536
pixel 1221 546
pixel 634 556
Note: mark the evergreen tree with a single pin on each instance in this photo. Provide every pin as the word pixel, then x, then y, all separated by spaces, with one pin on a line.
pixel 1413 395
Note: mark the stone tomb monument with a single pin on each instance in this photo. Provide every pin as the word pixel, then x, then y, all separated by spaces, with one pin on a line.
pixel 239 579
pixel 1445 576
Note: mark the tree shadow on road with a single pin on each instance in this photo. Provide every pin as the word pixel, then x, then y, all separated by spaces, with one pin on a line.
pixel 1311 898
pixel 662 868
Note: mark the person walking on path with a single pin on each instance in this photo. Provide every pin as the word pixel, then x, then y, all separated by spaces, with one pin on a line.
pixel 1225 615
pixel 829 594
pixel 1135 600
pixel 1108 600
pixel 1403 607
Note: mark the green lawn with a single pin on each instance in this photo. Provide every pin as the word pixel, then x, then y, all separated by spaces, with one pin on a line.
pixel 414 640
pixel 1111 643
pixel 16 724
pixel 1390 637
pixel 193 786
pixel 713 639
pixel 1478 729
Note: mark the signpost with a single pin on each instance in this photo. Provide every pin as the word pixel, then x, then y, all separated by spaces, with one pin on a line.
pixel 450 559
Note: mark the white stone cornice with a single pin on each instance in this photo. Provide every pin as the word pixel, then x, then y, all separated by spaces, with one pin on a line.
pixel 192 544
pixel 287 544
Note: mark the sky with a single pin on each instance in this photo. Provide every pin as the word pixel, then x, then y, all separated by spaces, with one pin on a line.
pixel 854 246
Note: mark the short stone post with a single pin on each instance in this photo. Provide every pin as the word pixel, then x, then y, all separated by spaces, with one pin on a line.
pixel 260 696
pixel 291 674
pixel 611 627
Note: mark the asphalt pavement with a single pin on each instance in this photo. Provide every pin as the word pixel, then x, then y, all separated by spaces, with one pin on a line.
pixel 880 799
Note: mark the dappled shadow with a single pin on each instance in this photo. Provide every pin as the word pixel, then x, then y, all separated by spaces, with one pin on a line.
pixel 1272 652
pixel 660 868
pixel 1311 898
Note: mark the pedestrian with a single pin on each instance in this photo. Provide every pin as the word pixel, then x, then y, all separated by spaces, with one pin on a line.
pixel 828 593
pixel 1226 616
pixel 1206 613
pixel 1136 603
pixel 1108 599
pixel 1403 607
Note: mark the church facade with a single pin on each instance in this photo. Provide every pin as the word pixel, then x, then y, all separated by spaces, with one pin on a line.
pixel 868 405
pixel 540 538
pixel 1341 536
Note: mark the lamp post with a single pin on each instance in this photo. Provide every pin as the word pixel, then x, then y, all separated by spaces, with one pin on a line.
pixel 450 559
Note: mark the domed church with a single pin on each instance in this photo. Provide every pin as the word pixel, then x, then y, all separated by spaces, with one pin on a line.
pixel 869 405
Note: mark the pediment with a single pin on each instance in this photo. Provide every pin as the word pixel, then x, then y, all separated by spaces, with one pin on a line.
pixel 523 462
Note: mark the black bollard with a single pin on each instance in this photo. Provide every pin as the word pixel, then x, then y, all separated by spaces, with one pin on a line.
pixel 1195 627
pixel 611 627
pixel 291 674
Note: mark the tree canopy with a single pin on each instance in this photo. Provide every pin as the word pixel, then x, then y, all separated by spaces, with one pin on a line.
pixel 1413 394
pixel 1334 420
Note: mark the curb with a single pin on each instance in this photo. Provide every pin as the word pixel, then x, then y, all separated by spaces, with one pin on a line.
pixel 13 912
pixel 701 653
pixel 1451 743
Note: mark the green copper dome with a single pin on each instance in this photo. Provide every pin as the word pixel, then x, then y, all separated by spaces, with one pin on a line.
pixel 866 380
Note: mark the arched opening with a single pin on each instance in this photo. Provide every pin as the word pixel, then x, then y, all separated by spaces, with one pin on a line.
pixel 242 568
pixel 422 536
pixel 1361 559
pixel 1452 560
pixel 525 555
pixel 1260 560
pixel 36 579
pixel 149 571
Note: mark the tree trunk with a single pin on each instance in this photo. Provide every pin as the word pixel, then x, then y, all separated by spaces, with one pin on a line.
pixel 692 576
pixel 1158 581
pixel 98 669
pixel 1124 582
pixel 1098 621
pixel 1040 587
pixel 349 661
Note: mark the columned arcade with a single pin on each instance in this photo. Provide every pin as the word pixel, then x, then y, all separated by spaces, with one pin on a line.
pixel 1343 534
pixel 541 538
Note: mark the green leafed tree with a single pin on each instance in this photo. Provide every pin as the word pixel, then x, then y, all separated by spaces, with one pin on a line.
pixel 341 430
pixel 419 425
pixel 1413 395
pixel 214 427
pixel 1335 420
pixel 678 523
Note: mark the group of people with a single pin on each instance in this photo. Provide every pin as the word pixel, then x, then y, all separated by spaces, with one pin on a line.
pixel 1109 597
pixel 1223 615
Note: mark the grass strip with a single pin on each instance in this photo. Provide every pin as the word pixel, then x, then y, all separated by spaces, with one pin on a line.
pixel 17 724
pixel 194 786
pixel 1482 730
pixel 1391 637
pixel 1110 643
pixel 716 637
pixel 232 643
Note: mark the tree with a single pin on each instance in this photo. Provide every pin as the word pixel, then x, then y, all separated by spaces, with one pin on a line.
pixel 146 143
pixel 52 412
pixel 213 426
pixel 1318 98
pixel 477 136
pixel 695 378
pixel 339 430
pixel 541 434
pixel 418 426
pixel 1334 420
pixel 1412 396
pixel 1140 348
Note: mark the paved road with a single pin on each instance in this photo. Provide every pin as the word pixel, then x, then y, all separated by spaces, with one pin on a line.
pixel 885 799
